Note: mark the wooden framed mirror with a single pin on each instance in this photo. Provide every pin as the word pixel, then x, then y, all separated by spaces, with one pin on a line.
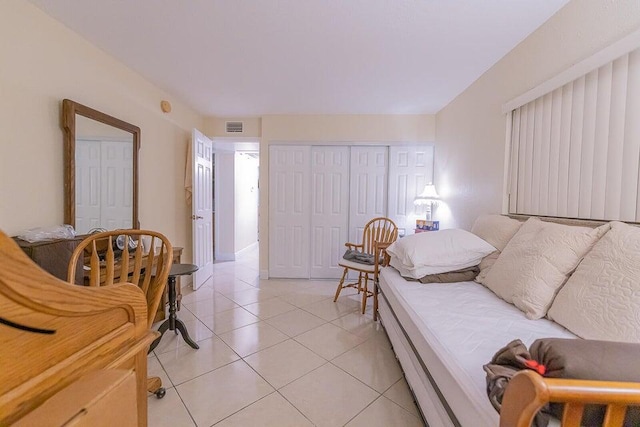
pixel 100 169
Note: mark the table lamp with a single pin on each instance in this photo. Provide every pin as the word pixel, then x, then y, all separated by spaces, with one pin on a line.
pixel 428 198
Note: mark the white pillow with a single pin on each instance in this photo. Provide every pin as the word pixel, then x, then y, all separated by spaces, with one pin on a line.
pixel 436 252
pixel 601 300
pixel 536 263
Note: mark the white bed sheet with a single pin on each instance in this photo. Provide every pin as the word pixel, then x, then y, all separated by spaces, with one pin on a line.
pixel 457 328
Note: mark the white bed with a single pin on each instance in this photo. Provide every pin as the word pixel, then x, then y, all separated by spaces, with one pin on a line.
pixel 447 332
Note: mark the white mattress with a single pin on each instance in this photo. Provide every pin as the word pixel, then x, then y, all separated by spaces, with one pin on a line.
pixel 456 328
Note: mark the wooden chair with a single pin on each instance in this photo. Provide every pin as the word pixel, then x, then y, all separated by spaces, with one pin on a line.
pixel 54 334
pixel 107 265
pixel 528 392
pixel 380 230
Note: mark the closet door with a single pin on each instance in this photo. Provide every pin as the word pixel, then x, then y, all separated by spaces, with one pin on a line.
pixel 410 169
pixel 329 209
pixel 368 187
pixel 289 209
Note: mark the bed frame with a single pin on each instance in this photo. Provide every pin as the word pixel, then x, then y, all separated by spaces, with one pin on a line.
pixel 55 334
pixel 527 393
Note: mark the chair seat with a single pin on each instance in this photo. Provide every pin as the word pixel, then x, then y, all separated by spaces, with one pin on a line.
pixel 365 268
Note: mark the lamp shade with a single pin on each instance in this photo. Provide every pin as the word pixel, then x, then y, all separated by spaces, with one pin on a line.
pixel 428 195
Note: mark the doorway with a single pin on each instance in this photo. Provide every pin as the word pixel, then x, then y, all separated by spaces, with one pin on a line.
pixel 236 198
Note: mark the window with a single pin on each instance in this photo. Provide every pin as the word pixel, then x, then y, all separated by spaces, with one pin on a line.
pixel 575 150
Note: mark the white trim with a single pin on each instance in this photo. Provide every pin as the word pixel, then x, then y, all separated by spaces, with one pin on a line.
pixel 264 274
pixel 236 139
pixel 410 143
pixel 608 54
pixel 506 179
pixel 229 144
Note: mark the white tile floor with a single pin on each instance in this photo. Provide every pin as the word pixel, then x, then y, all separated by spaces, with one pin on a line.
pixel 277 353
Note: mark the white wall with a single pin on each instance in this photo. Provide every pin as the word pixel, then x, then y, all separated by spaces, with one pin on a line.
pixel 246 201
pixel 44 62
pixel 225 206
pixel 327 129
pixel 216 127
pixel 471 129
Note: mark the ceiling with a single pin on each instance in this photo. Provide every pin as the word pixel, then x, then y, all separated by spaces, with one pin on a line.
pixel 250 58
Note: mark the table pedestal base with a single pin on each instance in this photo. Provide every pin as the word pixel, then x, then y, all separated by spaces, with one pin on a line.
pixel 173 323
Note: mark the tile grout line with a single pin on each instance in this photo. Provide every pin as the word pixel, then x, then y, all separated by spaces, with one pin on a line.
pixel 303 308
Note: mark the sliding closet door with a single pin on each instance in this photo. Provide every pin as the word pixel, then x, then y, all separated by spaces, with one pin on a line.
pixel 289 209
pixel 329 209
pixel 410 169
pixel 368 188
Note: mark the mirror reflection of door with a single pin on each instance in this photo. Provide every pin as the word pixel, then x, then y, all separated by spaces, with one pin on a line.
pixel 104 189
pixel 104 176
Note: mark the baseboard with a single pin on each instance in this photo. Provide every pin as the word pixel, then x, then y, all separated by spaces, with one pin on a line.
pixel 264 274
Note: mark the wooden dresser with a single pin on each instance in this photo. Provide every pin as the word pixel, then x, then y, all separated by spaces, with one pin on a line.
pixel 53 256
pixel 54 334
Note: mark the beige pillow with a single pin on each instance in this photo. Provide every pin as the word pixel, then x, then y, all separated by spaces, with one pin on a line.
pixel 486 264
pixel 496 230
pixel 601 300
pixel 536 263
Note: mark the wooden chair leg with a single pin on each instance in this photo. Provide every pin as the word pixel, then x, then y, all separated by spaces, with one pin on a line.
pixel 375 302
pixel 365 293
pixel 359 283
pixel 154 385
pixel 340 284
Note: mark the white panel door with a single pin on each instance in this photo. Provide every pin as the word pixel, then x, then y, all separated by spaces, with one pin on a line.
pixel 116 184
pixel 289 210
pixel 329 209
pixel 202 207
pixel 368 187
pixel 410 169
pixel 87 185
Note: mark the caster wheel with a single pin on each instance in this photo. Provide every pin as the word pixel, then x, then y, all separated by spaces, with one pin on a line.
pixel 160 393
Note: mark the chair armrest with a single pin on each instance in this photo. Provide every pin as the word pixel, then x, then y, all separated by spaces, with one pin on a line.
pixel 380 248
pixel 354 245
pixel 528 392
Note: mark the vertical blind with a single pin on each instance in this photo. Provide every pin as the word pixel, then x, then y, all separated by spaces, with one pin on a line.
pixel 575 152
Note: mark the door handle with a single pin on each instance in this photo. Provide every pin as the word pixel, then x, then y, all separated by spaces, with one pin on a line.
pixel 196 217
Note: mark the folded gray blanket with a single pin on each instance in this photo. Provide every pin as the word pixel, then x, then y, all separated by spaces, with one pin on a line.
pixel 590 360
pixel 566 358
pixel 464 275
pixel 362 258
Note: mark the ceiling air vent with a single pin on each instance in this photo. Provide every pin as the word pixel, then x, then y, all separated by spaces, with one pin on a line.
pixel 234 127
